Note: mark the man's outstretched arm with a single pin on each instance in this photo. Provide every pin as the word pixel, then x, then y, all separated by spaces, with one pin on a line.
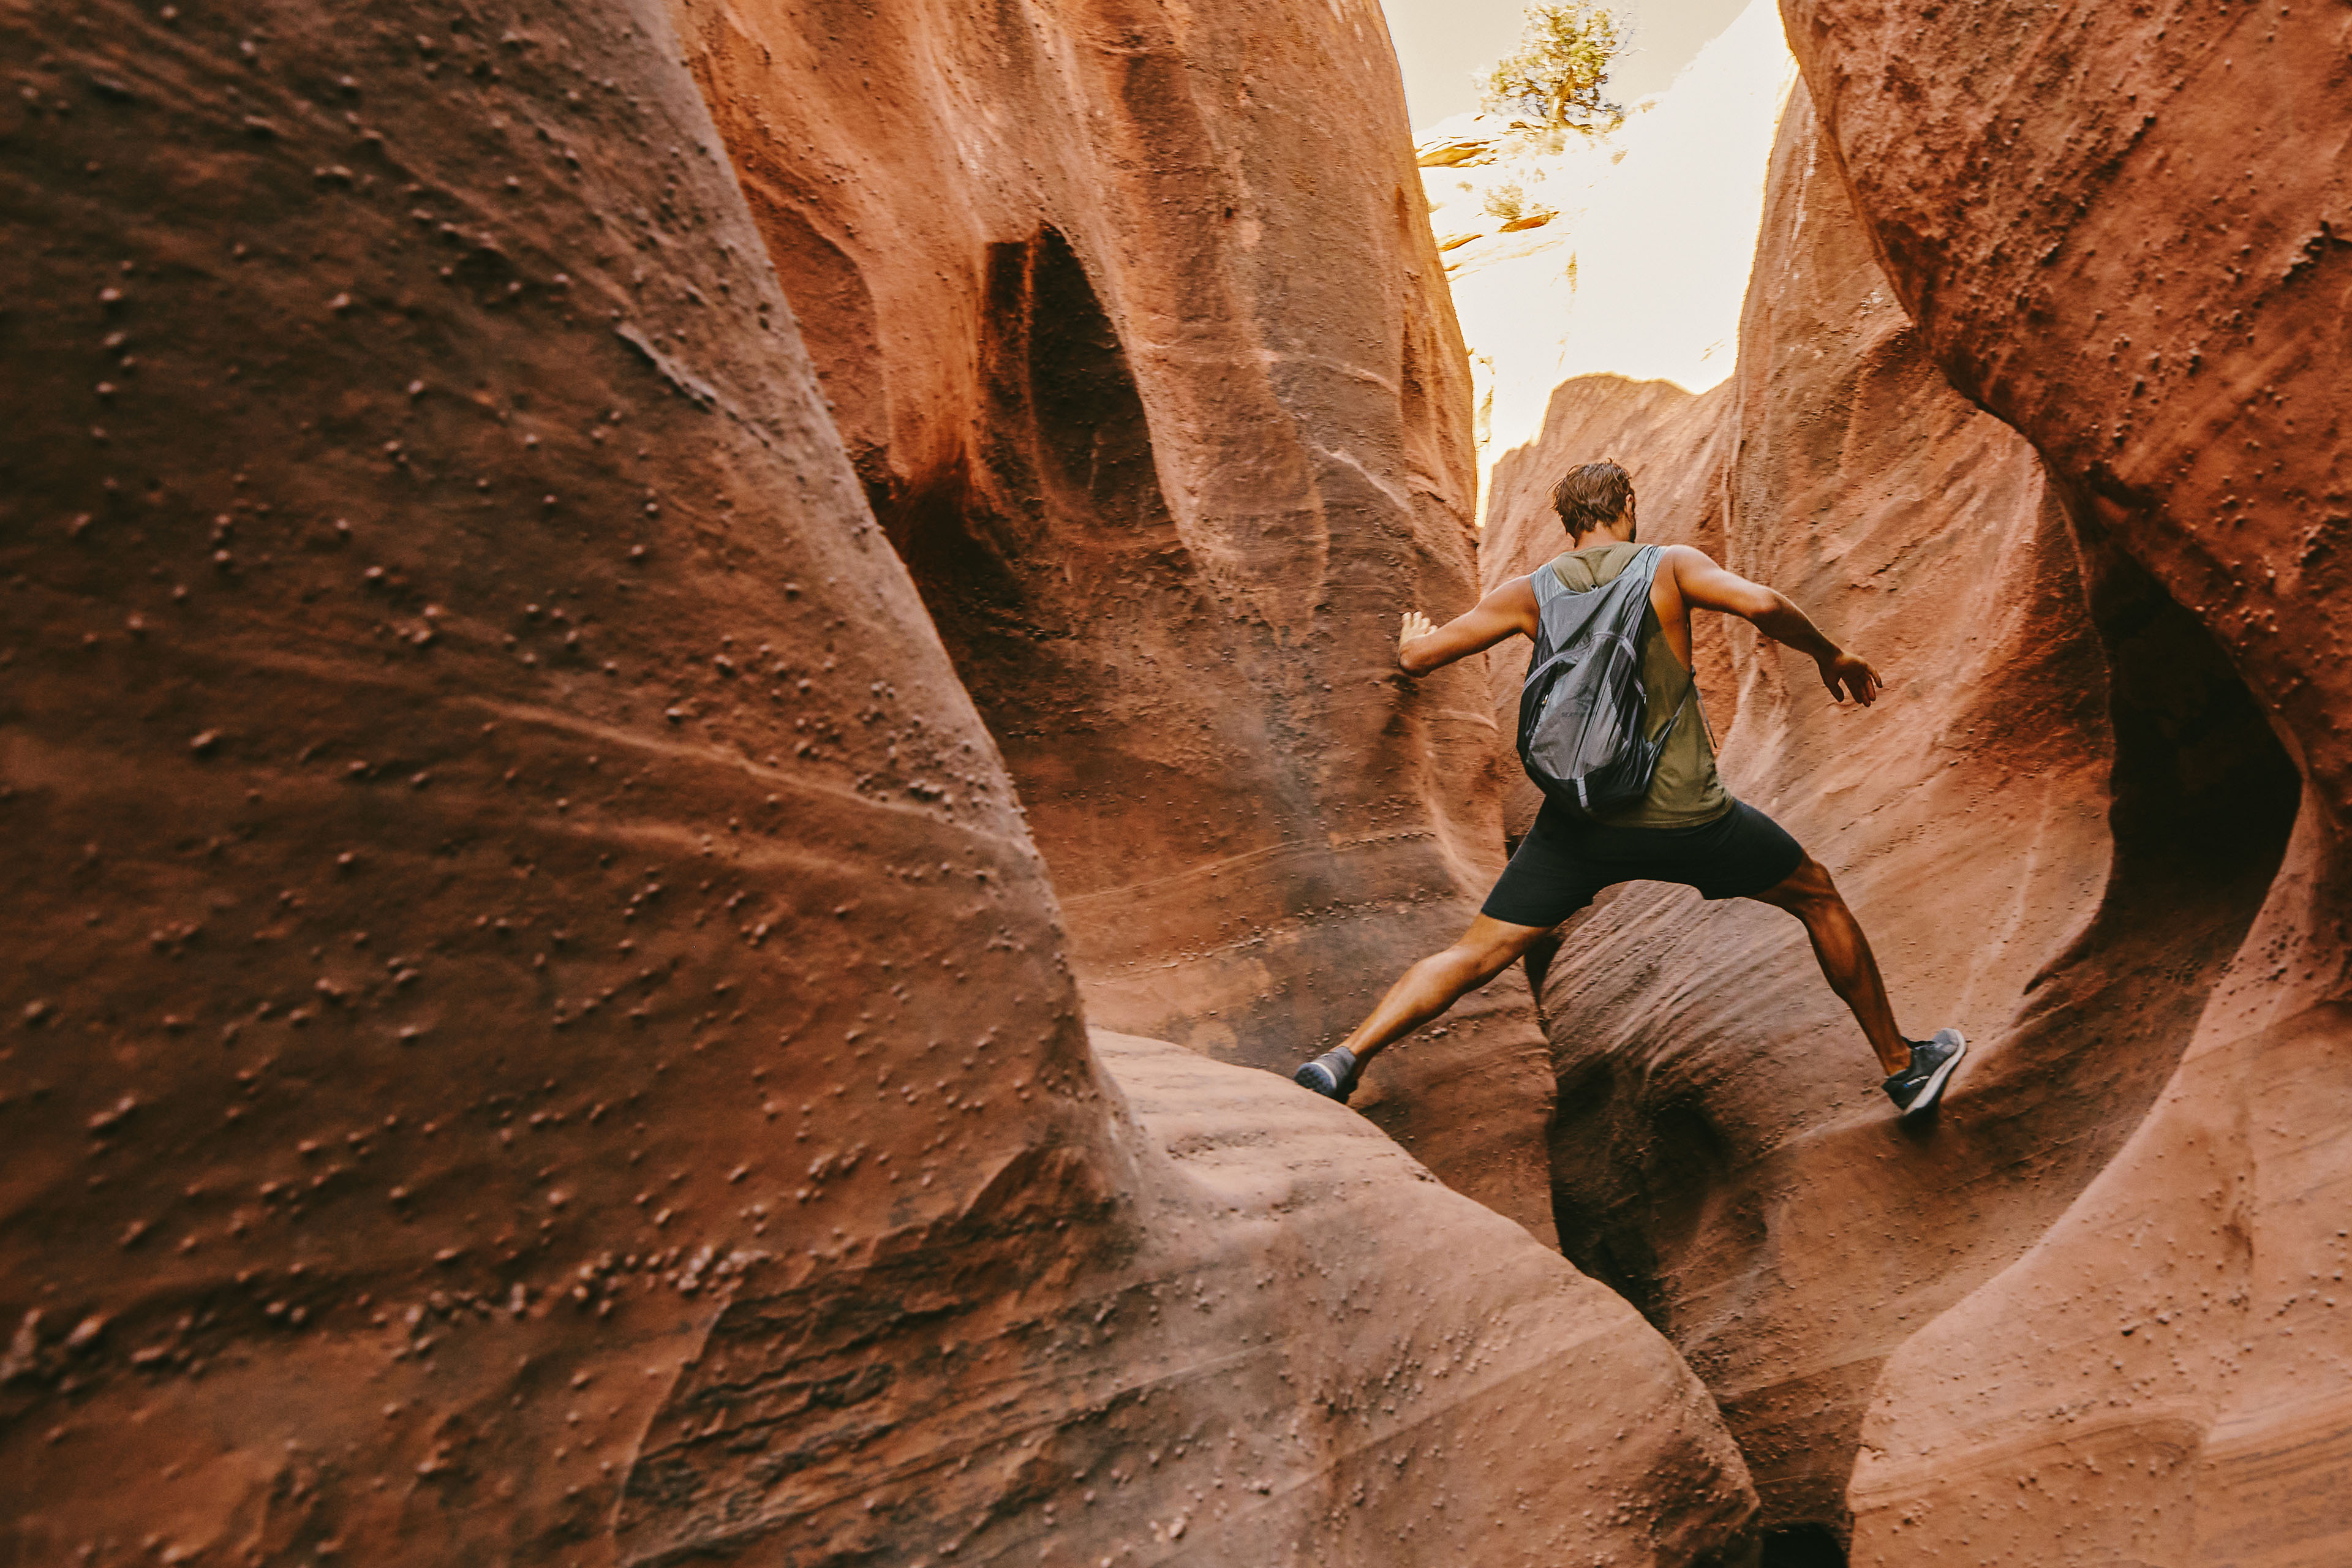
pixel 1510 610
pixel 1707 586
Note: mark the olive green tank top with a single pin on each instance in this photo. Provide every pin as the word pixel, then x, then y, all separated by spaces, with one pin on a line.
pixel 1685 792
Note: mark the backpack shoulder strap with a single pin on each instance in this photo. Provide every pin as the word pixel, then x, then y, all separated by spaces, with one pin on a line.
pixel 1545 580
pixel 1646 563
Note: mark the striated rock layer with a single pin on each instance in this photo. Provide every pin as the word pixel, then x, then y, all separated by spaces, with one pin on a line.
pixel 534 1029
pixel 1286 1341
pixel 1133 325
pixel 2104 247
pixel 463 859
pixel 2056 826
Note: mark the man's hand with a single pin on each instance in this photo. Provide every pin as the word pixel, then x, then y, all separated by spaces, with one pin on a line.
pixel 1507 610
pixel 1847 676
pixel 1416 625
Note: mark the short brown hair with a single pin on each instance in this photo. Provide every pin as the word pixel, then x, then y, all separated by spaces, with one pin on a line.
pixel 1590 495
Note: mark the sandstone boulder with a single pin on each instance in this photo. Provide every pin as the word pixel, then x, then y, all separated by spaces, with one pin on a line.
pixel 1284 1341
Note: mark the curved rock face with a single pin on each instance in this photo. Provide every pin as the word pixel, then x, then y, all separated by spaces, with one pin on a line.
pixel 485 805
pixel 1285 1343
pixel 535 1031
pixel 1170 425
pixel 2178 357
pixel 2056 827
pixel 2164 320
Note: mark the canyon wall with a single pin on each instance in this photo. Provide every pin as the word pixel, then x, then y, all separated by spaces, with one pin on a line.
pixel 2057 826
pixel 1132 322
pixel 564 846
pixel 2131 239
pixel 535 1028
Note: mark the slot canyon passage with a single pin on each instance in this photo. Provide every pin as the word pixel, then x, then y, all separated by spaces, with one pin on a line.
pixel 688 692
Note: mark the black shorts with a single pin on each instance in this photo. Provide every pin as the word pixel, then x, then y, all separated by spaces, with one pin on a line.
pixel 1565 861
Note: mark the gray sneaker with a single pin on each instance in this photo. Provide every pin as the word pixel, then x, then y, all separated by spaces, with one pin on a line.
pixel 1331 1074
pixel 1916 1088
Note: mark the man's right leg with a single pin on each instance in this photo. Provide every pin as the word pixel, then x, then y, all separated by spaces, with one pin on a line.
pixel 1550 876
pixel 1423 992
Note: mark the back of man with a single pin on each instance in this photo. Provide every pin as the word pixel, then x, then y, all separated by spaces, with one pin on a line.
pixel 1686 791
pixel 1683 828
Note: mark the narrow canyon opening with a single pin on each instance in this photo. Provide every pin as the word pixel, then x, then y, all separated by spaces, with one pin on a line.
pixel 691 690
pixel 1035 523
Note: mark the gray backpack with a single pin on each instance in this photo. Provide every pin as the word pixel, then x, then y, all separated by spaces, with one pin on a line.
pixel 1583 713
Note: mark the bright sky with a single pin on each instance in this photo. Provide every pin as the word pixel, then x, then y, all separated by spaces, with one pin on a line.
pixel 1441 42
pixel 1642 269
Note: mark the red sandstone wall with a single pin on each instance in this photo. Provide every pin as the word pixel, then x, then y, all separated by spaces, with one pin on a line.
pixel 483 795
pixel 2056 827
pixel 1138 337
pixel 534 1030
pixel 2127 235
pixel 478 790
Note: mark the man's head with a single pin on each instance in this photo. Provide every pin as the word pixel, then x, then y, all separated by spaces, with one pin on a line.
pixel 1594 496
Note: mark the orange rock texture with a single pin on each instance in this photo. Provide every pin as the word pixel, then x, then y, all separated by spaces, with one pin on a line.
pixel 2106 243
pixel 535 1031
pixel 686 687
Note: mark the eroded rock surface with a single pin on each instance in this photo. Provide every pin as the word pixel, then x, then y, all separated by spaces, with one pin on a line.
pixel 535 1031
pixel 1169 419
pixel 464 866
pixel 2162 310
pixel 2056 827
pixel 1291 1345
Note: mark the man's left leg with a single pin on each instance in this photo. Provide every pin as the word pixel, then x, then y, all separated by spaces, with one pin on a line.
pixel 1843 953
pixel 1915 1069
pixel 1423 992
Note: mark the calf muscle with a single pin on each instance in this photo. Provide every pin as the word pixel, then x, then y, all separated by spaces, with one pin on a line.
pixel 1430 988
pixel 1844 956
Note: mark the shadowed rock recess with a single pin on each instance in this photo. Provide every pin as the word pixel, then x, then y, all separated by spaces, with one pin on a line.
pixel 535 1028
pixel 1136 334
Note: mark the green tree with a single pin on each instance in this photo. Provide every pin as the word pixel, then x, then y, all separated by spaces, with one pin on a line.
pixel 1555 79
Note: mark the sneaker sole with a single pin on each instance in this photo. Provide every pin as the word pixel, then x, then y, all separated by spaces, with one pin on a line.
pixel 1932 1090
pixel 1315 1075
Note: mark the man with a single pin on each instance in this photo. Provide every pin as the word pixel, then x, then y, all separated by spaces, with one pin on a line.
pixel 1684 829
